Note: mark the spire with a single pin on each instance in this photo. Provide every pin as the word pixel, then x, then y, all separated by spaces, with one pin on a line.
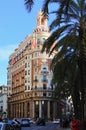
pixel 42 23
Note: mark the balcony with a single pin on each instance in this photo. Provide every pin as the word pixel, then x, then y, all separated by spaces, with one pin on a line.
pixel 45 80
pixel 41 89
pixel 44 72
pixel 35 80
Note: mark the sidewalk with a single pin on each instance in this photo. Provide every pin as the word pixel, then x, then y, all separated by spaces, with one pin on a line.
pixel 60 128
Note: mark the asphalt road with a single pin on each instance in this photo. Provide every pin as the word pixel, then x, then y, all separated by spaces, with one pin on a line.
pixel 49 126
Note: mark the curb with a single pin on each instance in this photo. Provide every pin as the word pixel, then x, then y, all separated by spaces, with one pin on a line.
pixel 60 128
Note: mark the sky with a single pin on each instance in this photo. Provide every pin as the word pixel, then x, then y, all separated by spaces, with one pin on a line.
pixel 15 24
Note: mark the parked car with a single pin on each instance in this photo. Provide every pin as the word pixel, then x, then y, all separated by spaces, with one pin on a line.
pixel 15 124
pixel 6 126
pixel 25 122
pixel 30 120
pixel 56 121
pixel 18 120
pixel 40 121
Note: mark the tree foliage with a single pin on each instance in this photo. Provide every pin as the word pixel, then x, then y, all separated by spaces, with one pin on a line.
pixel 69 35
pixel 68 65
pixel 29 4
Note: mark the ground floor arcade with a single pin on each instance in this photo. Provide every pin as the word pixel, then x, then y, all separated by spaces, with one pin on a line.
pixel 46 108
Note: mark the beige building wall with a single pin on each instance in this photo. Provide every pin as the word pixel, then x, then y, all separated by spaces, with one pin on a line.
pixel 29 77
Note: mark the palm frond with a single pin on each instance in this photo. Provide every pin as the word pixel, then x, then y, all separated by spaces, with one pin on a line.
pixel 53 38
pixel 29 4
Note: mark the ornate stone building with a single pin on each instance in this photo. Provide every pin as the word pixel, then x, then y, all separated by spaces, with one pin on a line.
pixel 30 78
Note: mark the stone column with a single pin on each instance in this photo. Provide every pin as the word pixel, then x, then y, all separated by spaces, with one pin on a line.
pixel 22 109
pixel 54 110
pixel 25 109
pixel 32 114
pixel 12 111
pixel 48 110
pixel 14 107
pixel 17 110
pixel 40 109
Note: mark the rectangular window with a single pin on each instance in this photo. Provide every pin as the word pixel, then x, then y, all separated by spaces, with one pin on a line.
pixel 44 86
pixel 25 72
pixel 44 94
pixel 28 72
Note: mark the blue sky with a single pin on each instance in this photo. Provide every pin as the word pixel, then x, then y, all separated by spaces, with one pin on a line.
pixel 15 24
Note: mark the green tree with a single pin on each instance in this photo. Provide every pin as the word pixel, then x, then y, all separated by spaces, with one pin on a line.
pixel 68 65
pixel 29 4
pixel 69 36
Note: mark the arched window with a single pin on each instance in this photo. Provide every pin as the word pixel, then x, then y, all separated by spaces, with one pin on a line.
pixel 38 41
pixel 43 40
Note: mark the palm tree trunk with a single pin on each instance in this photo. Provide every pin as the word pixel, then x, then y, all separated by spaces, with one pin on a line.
pixel 82 65
pixel 76 101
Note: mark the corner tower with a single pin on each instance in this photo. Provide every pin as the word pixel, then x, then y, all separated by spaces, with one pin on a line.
pixel 42 23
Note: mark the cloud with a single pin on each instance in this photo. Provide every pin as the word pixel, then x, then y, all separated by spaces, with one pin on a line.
pixel 5 51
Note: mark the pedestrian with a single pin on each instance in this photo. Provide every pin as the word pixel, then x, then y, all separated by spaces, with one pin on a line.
pixel 1 119
pixel 76 124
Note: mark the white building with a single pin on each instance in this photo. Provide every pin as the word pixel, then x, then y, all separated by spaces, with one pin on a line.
pixel 3 101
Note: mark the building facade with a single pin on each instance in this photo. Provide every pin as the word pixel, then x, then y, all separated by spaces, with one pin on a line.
pixel 3 101
pixel 29 78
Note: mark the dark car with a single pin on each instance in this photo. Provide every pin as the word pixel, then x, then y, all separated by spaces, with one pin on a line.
pixel 25 122
pixel 15 124
pixel 6 126
pixel 40 121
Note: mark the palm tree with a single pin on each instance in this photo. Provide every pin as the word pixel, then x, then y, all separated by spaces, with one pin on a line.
pixel 29 4
pixel 69 35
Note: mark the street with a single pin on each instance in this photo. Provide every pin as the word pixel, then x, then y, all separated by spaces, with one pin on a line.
pixel 49 126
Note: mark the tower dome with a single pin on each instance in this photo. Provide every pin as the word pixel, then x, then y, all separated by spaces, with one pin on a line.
pixel 42 23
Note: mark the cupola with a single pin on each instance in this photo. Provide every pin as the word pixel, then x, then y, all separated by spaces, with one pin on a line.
pixel 42 23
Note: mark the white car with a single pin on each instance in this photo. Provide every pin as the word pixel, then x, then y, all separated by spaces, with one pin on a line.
pixel 30 120
pixel 6 126
pixel 56 121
